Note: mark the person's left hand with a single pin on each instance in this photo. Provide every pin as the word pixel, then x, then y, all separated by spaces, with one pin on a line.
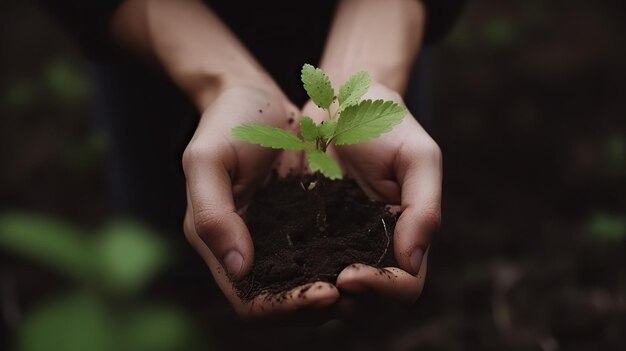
pixel 402 167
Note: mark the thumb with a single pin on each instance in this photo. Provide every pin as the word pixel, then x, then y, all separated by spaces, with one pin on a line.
pixel 420 178
pixel 215 218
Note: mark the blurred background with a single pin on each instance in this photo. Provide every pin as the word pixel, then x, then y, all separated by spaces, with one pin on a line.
pixel 528 106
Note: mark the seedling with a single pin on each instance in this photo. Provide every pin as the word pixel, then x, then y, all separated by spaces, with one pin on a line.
pixel 354 121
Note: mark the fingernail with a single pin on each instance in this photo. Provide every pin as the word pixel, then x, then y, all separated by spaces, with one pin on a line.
pixel 416 260
pixel 232 262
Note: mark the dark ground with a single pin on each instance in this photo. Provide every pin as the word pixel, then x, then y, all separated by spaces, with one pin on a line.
pixel 528 107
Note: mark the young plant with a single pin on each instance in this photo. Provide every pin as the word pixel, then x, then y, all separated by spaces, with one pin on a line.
pixel 353 122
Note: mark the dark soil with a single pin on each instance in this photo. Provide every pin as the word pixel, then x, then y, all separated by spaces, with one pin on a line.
pixel 528 108
pixel 291 251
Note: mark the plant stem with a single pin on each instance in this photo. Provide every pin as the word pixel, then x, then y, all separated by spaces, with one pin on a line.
pixel 321 203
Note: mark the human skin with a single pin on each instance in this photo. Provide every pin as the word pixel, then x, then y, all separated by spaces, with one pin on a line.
pixel 402 167
pixel 230 88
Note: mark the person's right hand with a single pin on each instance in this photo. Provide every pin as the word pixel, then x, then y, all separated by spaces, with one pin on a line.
pixel 221 175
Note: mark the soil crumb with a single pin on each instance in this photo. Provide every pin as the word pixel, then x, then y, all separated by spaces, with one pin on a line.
pixel 291 251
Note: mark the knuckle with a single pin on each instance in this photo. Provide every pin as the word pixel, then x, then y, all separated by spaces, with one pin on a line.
pixel 432 150
pixel 188 229
pixel 191 154
pixel 190 235
pixel 431 219
pixel 208 223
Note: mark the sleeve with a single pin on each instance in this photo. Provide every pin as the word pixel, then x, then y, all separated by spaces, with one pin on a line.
pixel 440 17
pixel 86 21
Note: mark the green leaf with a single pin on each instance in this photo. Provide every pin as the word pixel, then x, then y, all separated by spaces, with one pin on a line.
pixel 607 228
pixel 320 161
pixel 308 128
pixel 76 322
pixel 268 136
pixel 367 120
pixel 353 89
pixel 129 255
pixel 161 328
pixel 327 128
pixel 48 241
pixel 317 86
pixel 20 94
pixel 66 84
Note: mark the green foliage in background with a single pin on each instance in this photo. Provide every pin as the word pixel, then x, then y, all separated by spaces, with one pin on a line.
pixel 606 228
pixel 19 94
pixel 60 82
pixel 120 259
pixel 50 242
pixel 127 256
pixel 85 321
pixel 82 156
pixel 75 322
pixel 615 155
pixel 110 267
pixel 65 82
pixel 159 328
pixel 499 32
pixel 499 29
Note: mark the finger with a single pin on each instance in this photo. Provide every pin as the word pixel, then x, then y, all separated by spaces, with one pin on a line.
pixel 215 219
pixel 307 304
pixel 419 172
pixel 390 283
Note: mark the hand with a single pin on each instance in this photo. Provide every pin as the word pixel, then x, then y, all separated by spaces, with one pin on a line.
pixel 221 175
pixel 402 167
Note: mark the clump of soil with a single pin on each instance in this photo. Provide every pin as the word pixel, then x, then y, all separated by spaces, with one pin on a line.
pixel 289 248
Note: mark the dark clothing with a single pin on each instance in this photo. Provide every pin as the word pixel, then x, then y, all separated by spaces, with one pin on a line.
pixel 87 21
pixel 147 119
pixel 282 34
pixel 260 25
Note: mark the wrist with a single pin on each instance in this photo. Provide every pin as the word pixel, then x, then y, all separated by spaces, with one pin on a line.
pixel 380 37
pixel 204 85
pixel 392 76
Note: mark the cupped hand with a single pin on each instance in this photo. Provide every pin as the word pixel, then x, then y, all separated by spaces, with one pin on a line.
pixel 221 175
pixel 404 168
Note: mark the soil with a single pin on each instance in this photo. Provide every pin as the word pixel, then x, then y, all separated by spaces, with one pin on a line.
pixel 532 133
pixel 290 249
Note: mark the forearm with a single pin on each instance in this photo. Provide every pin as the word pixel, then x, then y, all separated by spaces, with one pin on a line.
pixel 381 37
pixel 191 43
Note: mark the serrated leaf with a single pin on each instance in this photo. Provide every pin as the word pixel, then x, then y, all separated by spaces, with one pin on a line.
pixel 320 161
pixel 367 120
pixel 268 136
pixel 353 89
pixel 308 128
pixel 327 128
pixel 317 86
